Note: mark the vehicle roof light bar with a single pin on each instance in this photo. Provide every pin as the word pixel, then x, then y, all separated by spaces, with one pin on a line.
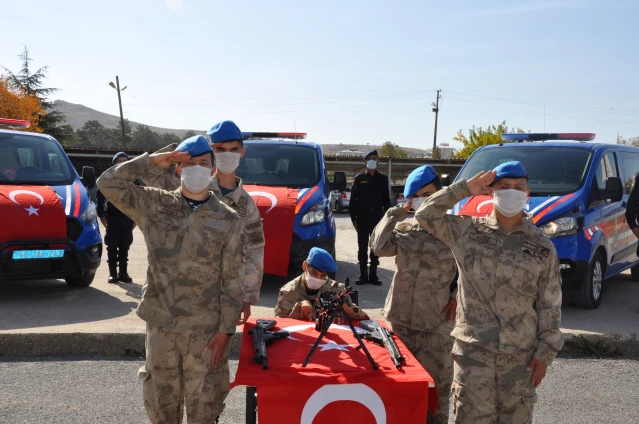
pixel 292 135
pixel 15 123
pixel 520 137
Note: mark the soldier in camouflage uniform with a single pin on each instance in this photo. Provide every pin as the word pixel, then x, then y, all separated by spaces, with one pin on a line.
pixel 191 298
pixel 507 326
pixel 227 143
pixel 297 296
pixel 421 302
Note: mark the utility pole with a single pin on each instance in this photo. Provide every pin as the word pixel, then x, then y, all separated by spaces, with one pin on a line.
pixel 117 87
pixel 436 110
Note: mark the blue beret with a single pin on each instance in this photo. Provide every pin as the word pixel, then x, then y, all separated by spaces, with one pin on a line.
pixel 419 178
pixel 370 153
pixel 512 169
pixel 119 155
pixel 224 131
pixel 321 260
pixel 195 146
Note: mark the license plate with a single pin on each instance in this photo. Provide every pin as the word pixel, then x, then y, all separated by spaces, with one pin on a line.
pixel 38 254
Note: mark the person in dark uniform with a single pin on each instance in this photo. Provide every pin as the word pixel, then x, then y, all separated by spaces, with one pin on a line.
pixel 370 199
pixel 632 210
pixel 119 232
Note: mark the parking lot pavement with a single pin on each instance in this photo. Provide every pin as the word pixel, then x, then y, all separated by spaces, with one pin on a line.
pixel 53 307
pixel 83 390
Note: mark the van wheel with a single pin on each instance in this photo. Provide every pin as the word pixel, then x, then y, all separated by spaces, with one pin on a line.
pixel 81 281
pixel 634 272
pixel 591 292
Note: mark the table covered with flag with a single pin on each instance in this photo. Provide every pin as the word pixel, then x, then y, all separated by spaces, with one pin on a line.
pixel 338 384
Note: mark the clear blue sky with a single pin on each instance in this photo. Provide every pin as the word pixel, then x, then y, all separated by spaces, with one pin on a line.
pixel 343 71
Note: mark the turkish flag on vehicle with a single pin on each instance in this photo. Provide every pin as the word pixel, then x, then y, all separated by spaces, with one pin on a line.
pixel 31 213
pixel 277 209
pixel 338 384
pixel 478 206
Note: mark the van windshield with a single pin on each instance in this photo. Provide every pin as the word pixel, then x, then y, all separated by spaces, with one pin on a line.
pixel 552 171
pixel 294 166
pixel 32 160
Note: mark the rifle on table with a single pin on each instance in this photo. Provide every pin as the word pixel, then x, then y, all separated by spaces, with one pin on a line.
pixel 263 338
pixel 382 336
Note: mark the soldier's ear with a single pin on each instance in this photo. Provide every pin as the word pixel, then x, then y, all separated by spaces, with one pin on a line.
pixel 178 169
pixel 304 266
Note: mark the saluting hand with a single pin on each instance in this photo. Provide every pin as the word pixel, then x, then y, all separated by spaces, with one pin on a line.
pixel 479 183
pixel 165 160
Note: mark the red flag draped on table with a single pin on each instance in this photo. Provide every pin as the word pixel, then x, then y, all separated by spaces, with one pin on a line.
pixel 338 384
pixel 277 209
pixel 31 213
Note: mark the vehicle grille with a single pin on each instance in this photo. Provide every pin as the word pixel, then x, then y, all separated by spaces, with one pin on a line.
pixel 74 229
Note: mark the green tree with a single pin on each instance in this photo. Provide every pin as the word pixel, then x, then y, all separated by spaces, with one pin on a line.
pixel 116 134
pixel 189 133
pixel 145 138
pixel 169 138
pixel 437 153
pixel 94 134
pixel 391 150
pixel 632 141
pixel 479 137
pixel 33 84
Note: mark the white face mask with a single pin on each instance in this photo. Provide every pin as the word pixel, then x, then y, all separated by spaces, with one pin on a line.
pixel 227 162
pixel 371 164
pixel 509 202
pixel 196 178
pixel 418 202
pixel 314 283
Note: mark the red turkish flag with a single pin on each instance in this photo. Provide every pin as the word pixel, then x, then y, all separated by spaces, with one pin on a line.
pixel 478 206
pixel 31 213
pixel 338 384
pixel 277 209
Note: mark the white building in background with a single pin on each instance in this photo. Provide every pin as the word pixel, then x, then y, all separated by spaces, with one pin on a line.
pixel 350 152
pixel 444 149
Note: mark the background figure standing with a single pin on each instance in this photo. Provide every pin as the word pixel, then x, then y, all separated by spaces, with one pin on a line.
pixel 370 199
pixel 119 233
pixel 632 210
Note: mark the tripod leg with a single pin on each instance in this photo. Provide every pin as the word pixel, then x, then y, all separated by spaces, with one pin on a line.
pixel 361 343
pixel 329 321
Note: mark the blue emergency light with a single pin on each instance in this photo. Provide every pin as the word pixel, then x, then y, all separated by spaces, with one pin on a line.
pixel 520 137
pixel 292 135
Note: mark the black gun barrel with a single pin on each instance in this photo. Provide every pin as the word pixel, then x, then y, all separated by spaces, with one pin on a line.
pixel 391 347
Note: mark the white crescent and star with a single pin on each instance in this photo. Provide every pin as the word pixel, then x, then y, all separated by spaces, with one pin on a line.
pixel 302 327
pixel 331 345
pixel 30 209
pixel 330 393
pixel 269 196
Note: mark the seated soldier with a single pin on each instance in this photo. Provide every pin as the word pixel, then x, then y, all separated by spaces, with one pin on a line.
pixel 297 296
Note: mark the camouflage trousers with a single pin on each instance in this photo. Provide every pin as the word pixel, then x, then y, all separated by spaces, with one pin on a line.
pixel 178 372
pixel 432 351
pixel 491 388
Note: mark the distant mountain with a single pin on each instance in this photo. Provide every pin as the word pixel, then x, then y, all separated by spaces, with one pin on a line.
pixel 78 114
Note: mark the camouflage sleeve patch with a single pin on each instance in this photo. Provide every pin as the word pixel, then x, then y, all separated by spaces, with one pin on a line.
pixel 256 237
pixel 257 225
pixel 536 250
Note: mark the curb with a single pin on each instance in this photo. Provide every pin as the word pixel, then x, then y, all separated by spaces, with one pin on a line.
pixel 117 344
pixel 67 344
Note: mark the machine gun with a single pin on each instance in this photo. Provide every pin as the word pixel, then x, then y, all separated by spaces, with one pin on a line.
pixel 328 307
pixel 382 336
pixel 263 338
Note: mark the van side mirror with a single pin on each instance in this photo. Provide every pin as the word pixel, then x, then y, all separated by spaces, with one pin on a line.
pixel 339 183
pixel 88 177
pixel 614 189
pixel 445 180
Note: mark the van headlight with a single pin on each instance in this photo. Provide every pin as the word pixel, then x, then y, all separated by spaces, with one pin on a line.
pixel 314 216
pixel 560 227
pixel 90 215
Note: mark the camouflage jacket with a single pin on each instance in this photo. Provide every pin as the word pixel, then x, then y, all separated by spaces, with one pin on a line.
pixel 509 285
pixel 294 292
pixel 426 269
pixel 242 203
pixel 196 264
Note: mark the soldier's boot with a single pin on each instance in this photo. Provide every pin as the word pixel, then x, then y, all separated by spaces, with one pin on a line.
pixel 372 276
pixel 363 275
pixel 124 275
pixel 113 273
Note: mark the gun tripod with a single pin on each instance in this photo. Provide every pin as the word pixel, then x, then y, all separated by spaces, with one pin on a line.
pixel 327 321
